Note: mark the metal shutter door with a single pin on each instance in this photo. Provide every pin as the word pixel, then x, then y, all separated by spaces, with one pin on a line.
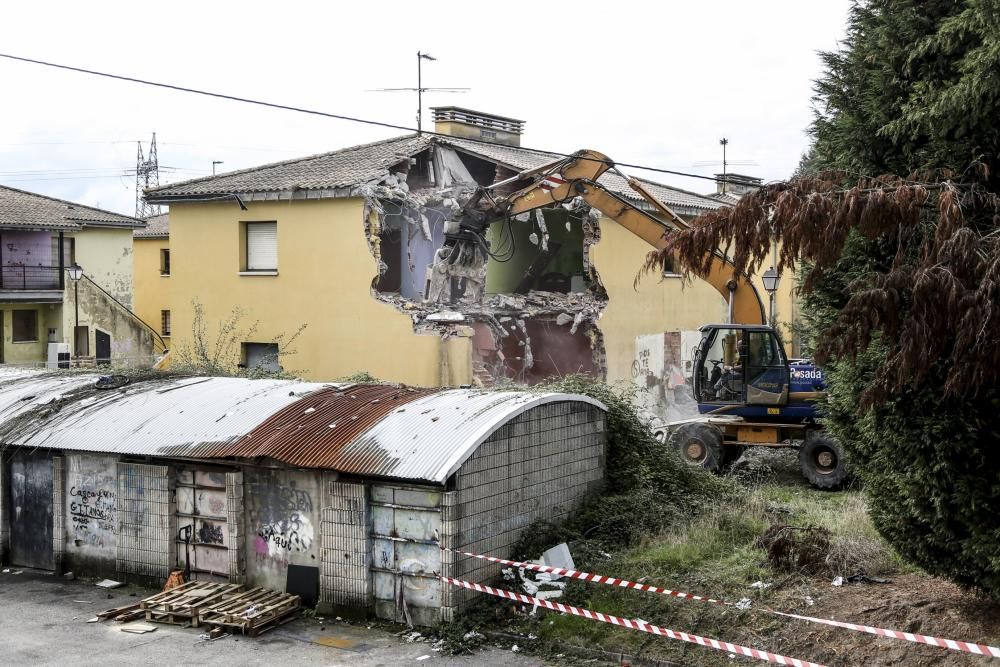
pixel 262 246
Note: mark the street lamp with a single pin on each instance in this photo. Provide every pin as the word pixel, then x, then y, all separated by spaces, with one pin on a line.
pixel 75 272
pixel 771 280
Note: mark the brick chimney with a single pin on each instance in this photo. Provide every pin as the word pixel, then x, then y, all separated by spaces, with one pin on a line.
pixel 469 124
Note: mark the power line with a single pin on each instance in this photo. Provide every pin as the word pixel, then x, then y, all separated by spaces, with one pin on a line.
pixel 314 112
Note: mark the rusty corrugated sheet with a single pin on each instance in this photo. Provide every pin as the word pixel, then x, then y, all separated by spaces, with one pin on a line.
pixel 312 431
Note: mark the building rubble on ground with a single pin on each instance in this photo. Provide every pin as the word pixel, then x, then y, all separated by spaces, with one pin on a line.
pixel 341 493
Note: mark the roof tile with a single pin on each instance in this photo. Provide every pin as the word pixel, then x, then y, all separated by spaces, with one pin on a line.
pixel 29 210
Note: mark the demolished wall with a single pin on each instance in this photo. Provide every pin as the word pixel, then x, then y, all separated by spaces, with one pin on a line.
pixel 531 309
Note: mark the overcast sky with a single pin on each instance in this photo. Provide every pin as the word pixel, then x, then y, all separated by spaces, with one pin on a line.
pixel 655 83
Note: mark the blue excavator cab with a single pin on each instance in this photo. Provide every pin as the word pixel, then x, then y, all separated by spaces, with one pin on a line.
pixel 742 370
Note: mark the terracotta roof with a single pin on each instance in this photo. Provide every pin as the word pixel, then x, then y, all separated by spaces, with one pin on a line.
pixel 157 227
pixel 20 209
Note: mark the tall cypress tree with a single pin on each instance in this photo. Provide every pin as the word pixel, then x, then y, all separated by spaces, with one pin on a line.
pixel 915 87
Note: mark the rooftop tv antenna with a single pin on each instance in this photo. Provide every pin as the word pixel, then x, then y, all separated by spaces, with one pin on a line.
pixel 420 90
pixel 147 175
pixel 725 163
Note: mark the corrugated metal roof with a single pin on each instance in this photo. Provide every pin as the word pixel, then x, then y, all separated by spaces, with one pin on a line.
pixel 429 438
pixel 312 431
pixel 377 430
pixel 170 417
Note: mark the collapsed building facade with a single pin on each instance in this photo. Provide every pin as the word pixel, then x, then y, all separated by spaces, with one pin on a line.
pixel 554 294
pixel 341 493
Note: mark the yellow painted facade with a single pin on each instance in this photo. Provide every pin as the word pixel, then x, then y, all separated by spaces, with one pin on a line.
pixel 325 270
pixel 656 306
pixel 152 285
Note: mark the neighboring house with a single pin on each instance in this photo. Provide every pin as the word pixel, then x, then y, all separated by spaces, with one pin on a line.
pixel 41 238
pixel 152 273
pixel 341 242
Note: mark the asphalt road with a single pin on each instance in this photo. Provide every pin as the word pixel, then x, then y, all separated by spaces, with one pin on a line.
pixel 43 621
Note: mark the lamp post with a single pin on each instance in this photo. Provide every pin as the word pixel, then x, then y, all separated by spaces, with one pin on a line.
pixel 770 280
pixel 75 272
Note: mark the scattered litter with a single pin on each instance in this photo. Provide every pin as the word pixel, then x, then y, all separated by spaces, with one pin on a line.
pixel 508 574
pixel 861 577
pixel 533 237
pixel 6 570
pixel 423 657
pixel 839 581
pixel 94 619
pixel 761 585
pixel 744 603
pixel 139 628
pixel 559 556
pixel 18 572
pixel 515 648
pixel 809 601
pixel 108 583
pixel 473 635
pixel 83 601
pixel 70 576
pixel 413 637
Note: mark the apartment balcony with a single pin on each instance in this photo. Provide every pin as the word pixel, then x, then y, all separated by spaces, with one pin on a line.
pixel 36 284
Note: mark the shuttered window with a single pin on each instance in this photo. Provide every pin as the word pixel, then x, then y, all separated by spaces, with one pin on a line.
pixel 262 246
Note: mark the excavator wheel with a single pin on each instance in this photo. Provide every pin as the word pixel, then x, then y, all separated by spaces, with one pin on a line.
pixel 821 459
pixel 701 444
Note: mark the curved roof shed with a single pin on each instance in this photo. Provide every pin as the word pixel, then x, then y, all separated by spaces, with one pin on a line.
pixel 384 431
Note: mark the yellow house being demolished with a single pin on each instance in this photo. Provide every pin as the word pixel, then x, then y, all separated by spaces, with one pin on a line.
pixel 341 242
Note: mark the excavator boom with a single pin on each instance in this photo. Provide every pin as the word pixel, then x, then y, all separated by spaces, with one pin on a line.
pixel 560 181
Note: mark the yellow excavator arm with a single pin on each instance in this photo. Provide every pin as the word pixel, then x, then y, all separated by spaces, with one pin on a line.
pixel 577 176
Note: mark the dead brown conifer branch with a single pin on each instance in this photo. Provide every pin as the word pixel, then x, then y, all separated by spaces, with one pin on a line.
pixel 936 304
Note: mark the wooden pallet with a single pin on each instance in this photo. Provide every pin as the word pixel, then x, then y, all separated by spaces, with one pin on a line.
pixel 181 605
pixel 251 613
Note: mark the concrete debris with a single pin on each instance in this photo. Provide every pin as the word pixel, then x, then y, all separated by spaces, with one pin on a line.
pixel 407 212
pixel 560 557
pixel 540 219
pixel 139 628
pixel 446 316
pixel 109 583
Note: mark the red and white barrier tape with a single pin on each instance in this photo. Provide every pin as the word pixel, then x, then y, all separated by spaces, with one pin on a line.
pixel 635 624
pixel 952 644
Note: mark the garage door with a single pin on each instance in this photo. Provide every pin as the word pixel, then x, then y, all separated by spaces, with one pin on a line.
pixel 29 498
pixel 203 534
pixel 406 557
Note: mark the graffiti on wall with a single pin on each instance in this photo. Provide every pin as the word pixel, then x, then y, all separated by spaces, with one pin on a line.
pixel 92 503
pixel 660 371
pixel 281 515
